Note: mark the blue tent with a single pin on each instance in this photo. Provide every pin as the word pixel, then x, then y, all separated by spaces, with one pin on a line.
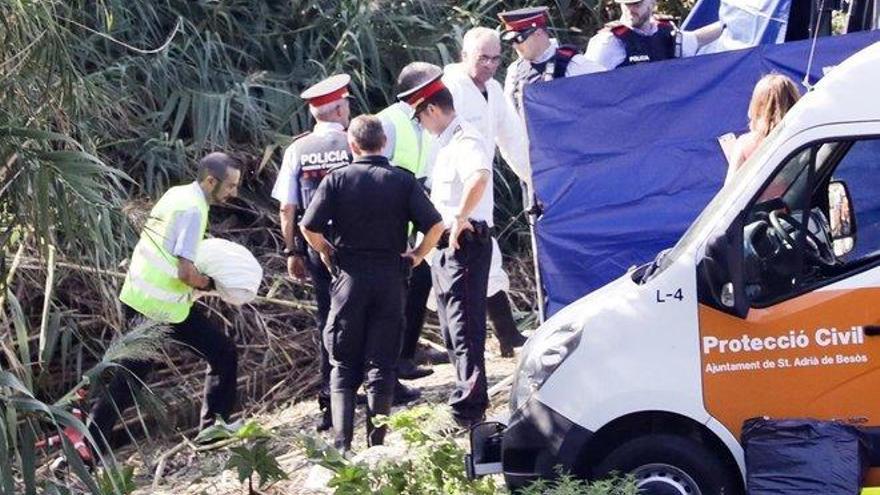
pixel 624 160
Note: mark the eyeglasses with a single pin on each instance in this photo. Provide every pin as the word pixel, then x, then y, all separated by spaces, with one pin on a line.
pixel 486 59
pixel 517 37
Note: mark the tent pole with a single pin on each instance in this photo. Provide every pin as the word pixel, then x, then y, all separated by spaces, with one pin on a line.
pixel 533 211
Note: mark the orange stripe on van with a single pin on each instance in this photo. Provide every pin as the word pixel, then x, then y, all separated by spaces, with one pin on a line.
pixel 831 370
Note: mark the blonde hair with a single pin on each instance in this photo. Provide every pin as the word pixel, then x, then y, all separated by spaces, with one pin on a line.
pixel 772 98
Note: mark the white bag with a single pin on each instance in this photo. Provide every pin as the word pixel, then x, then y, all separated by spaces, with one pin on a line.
pixel 236 273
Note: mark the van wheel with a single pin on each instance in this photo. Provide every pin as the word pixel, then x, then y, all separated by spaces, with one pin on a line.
pixel 666 464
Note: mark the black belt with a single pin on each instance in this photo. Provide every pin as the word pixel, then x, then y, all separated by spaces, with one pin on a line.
pixel 481 232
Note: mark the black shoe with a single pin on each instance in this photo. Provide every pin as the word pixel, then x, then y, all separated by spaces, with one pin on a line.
pixel 404 394
pixel 326 422
pixel 429 355
pixel 508 347
pixel 408 370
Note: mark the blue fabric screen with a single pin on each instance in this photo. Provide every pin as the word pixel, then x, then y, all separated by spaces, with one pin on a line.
pixel 624 160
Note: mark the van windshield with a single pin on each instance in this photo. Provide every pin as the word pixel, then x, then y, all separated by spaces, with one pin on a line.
pixel 732 188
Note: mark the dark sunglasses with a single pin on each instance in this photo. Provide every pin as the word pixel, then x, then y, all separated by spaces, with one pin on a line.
pixel 517 37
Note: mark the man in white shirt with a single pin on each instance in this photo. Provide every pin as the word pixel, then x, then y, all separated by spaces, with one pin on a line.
pixel 640 36
pixel 462 193
pixel 479 100
pixel 541 58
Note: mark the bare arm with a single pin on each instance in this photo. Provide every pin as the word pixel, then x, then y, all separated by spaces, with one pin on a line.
pixel 318 242
pixel 473 191
pixel 710 33
pixel 190 275
pixel 287 214
pixel 429 240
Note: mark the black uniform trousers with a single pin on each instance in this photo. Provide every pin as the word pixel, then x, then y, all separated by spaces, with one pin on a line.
pixel 418 289
pixel 460 281
pixel 321 283
pixel 363 329
pixel 197 334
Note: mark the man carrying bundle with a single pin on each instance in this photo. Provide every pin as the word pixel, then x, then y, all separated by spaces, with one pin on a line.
pixel 159 286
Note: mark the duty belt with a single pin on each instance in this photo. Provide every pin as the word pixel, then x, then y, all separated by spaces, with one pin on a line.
pixel 481 232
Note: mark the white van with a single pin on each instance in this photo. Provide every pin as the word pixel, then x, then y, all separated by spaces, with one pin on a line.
pixel 769 305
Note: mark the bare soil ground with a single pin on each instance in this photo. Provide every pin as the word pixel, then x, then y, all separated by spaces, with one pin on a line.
pixel 188 471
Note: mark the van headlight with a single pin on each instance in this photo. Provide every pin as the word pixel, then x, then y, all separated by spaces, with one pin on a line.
pixel 541 355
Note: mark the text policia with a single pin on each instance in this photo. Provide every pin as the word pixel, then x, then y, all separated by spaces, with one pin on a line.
pixel 823 337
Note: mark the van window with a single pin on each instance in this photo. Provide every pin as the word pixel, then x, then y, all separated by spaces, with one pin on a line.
pixel 789 245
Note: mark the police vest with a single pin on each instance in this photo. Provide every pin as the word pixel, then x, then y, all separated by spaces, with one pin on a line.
pixel 641 48
pixel 410 147
pixel 527 73
pixel 317 153
pixel 151 285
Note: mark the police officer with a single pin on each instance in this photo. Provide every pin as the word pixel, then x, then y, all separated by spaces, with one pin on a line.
pixel 306 162
pixel 462 192
pixel 541 58
pixel 369 205
pixel 159 286
pixel 640 36
pixel 479 100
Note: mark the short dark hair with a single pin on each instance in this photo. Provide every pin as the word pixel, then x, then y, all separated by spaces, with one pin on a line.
pixel 216 165
pixel 441 99
pixel 367 133
pixel 416 73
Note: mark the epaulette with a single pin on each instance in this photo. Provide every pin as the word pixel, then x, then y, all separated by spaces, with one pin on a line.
pixel 404 169
pixel 665 20
pixel 617 28
pixel 566 51
pixel 300 136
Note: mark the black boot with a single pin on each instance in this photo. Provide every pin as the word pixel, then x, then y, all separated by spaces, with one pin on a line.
pixel 404 394
pixel 342 410
pixel 407 369
pixel 326 416
pixel 501 317
pixel 378 403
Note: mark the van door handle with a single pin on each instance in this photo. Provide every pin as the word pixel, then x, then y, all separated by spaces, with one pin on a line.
pixel 872 330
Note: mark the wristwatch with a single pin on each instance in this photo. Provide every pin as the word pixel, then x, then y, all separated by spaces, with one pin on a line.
pixel 290 252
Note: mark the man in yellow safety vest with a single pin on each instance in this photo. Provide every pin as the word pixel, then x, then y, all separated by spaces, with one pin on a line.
pixel 159 286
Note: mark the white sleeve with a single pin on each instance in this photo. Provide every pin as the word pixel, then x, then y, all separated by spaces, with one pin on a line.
pixel 286 189
pixel 689 43
pixel 581 65
pixel 513 141
pixel 471 157
pixel 605 50
pixel 390 137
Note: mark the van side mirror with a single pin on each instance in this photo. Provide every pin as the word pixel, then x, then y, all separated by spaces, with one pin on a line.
pixel 842 218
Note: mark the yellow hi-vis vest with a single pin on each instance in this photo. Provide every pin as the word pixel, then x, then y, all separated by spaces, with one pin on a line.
pixel 410 149
pixel 151 285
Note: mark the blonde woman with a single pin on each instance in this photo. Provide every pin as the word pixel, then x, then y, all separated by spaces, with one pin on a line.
pixel 772 97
